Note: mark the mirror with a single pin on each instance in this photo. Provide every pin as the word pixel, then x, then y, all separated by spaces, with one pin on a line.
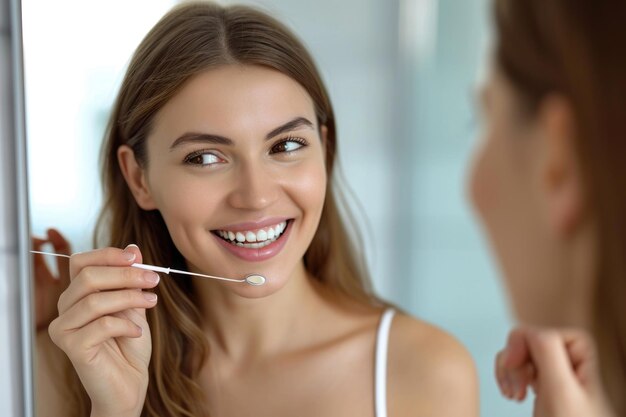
pixel 400 74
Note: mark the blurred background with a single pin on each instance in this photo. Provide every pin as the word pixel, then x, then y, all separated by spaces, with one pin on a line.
pixel 401 75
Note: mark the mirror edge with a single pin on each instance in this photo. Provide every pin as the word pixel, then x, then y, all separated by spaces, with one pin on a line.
pixel 25 404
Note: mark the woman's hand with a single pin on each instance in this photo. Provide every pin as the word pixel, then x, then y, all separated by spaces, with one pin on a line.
pixel 561 368
pixel 48 287
pixel 102 328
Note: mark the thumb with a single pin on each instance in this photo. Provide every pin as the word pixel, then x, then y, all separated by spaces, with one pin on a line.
pixel 134 249
pixel 555 371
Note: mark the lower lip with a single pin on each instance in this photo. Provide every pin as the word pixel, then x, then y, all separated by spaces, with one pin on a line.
pixel 260 254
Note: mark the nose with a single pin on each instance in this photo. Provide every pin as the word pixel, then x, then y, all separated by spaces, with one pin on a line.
pixel 255 188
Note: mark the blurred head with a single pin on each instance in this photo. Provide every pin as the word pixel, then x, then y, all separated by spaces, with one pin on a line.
pixel 222 120
pixel 528 188
pixel 549 180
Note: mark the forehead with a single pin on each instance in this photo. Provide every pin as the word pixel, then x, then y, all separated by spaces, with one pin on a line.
pixel 235 99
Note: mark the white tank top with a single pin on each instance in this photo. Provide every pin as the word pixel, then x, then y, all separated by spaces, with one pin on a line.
pixel 380 365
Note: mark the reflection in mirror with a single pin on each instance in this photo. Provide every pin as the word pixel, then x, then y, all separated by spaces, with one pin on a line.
pixel 389 83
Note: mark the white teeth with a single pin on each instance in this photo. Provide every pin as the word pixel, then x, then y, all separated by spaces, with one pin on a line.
pixel 250 239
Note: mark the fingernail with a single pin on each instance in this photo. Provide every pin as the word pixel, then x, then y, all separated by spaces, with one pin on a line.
pixel 151 277
pixel 128 255
pixel 150 296
pixel 506 386
pixel 515 391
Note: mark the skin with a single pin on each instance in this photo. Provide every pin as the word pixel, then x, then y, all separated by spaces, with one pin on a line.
pixel 289 347
pixel 527 186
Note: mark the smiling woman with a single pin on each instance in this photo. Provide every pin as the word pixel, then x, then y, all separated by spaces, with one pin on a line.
pixel 219 159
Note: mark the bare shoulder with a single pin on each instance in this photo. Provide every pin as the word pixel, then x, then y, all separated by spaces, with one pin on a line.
pixel 430 373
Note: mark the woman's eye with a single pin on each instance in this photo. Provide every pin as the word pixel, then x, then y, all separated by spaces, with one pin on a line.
pixel 203 159
pixel 288 145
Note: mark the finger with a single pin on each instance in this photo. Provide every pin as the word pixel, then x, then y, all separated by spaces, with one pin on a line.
pixel 521 380
pixel 98 332
pixel 582 354
pixel 93 279
pixel 104 257
pixel 37 242
pixel 101 304
pixel 517 351
pixel 554 368
pixel 517 363
pixel 512 365
pixel 40 269
pixel 501 377
pixel 62 246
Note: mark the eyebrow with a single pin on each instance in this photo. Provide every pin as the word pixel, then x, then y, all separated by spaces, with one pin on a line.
pixel 193 137
pixel 290 126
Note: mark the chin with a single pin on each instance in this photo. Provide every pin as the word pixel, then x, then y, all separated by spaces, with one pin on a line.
pixel 251 291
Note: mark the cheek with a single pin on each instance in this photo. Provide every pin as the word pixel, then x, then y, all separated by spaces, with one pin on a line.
pixel 481 187
pixel 490 187
pixel 500 195
pixel 307 186
pixel 181 201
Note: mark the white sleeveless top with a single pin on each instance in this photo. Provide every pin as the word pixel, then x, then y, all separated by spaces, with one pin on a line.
pixel 380 364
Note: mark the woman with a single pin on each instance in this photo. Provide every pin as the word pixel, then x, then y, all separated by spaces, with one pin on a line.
pixel 218 159
pixel 548 182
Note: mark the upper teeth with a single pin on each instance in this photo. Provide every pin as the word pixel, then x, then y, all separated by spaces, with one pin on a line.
pixel 260 235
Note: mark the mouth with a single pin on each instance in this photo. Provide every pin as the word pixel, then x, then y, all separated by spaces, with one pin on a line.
pixel 253 239
pixel 255 244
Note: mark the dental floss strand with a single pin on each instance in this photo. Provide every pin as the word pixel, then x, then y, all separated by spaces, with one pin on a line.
pixel 251 279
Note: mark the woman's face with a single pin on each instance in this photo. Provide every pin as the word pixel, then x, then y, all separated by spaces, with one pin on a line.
pixel 513 190
pixel 236 168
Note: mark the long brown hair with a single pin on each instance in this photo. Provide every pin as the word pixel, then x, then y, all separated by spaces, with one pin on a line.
pixel 190 39
pixel 576 48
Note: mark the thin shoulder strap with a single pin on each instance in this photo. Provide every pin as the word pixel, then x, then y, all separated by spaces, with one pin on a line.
pixel 380 376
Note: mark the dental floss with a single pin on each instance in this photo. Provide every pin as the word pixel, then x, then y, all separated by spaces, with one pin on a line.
pixel 251 279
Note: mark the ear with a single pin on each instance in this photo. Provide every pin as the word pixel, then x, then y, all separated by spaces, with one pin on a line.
pixel 560 171
pixel 135 177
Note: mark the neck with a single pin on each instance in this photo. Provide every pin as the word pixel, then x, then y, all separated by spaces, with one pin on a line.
pixel 581 277
pixel 238 327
